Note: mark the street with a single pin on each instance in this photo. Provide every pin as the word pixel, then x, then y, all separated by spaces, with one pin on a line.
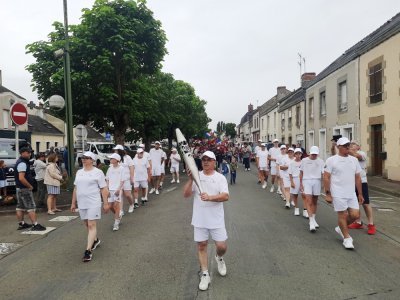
pixel 271 254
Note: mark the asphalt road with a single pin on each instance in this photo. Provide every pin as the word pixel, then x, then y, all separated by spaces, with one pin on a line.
pixel 271 255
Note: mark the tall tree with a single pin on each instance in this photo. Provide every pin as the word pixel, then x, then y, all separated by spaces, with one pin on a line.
pixel 230 130
pixel 116 44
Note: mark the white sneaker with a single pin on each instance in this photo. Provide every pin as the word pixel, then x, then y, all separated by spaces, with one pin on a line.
pixel 278 191
pixel 121 213
pixel 271 189
pixel 292 203
pixel 339 232
pixel 312 227
pixel 173 180
pixel 221 266
pixel 115 227
pixel 157 192
pixel 177 181
pixel 264 185
pixel 204 282
pixel 296 211
pixel 152 191
pixel 287 205
pixel 305 213
pixel 348 243
pixel 131 208
pixel 315 223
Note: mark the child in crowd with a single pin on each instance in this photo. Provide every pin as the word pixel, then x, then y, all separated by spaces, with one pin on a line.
pixel 174 161
pixel 233 167
pixel 225 169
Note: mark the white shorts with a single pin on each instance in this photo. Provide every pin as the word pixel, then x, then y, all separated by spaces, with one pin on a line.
pixel 217 234
pixel 113 198
pixel 174 169
pixel 93 213
pixel 162 170
pixel 274 170
pixel 2 183
pixel 266 169
pixel 342 204
pixel 296 190
pixel 286 181
pixel 127 185
pixel 156 171
pixel 142 183
pixel 312 187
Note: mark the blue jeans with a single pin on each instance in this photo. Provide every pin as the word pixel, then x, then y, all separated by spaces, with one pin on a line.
pixel 233 177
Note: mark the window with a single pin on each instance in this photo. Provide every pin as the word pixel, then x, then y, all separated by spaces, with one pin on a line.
pixel 311 107
pixel 47 145
pixel 55 144
pixel 322 104
pixel 375 83
pixel 283 121
pixel 262 124
pixel 289 119
pixel 342 95
pixel 322 143
pixel 37 147
pixel 311 138
pixel 298 119
pixel 267 123
pixel 5 119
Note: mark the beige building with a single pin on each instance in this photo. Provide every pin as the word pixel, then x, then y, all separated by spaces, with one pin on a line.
pixel 245 125
pixel 380 100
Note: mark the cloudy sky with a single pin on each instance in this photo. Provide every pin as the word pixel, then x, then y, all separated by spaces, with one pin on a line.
pixel 233 52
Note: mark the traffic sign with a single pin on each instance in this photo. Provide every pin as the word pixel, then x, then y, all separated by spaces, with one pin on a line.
pixel 18 114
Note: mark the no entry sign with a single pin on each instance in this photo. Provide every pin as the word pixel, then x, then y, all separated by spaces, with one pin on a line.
pixel 18 114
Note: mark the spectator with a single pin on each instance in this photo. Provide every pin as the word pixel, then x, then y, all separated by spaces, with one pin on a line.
pixel 3 180
pixel 40 170
pixel 52 179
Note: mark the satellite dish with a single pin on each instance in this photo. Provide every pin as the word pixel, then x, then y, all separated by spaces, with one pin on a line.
pixel 56 102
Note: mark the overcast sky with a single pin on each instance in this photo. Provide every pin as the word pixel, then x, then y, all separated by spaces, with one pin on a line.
pixel 232 52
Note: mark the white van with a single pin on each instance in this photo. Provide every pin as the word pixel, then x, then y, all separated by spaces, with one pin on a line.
pixel 101 149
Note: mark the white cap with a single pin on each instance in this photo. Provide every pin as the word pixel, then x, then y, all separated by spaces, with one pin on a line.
pixel 260 140
pixel 263 145
pixel 209 154
pixel 90 154
pixel 140 150
pixel 118 147
pixel 314 150
pixel 275 141
pixel 290 149
pixel 157 142
pixel 173 149
pixel 115 156
pixel 342 141
pixel 141 146
pixel 298 150
pixel 283 146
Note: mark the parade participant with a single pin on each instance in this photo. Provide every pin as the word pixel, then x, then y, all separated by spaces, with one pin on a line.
pixel 40 170
pixel 273 154
pixel 24 185
pixel 342 174
pixel 127 164
pixel 311 171
pixel 90 188
pixel 233 167
pixel 115 183
pixel 52 179
pixel 355 150
pixel 262 165
pixel 294 175
pixel 208 215
pixel 146 155
pixel 279 159
pixel 141 176
pixel 162 176
pixel 157 160
pixel 174 161
pixel 246 156
pixel 256 149
pixel 284 164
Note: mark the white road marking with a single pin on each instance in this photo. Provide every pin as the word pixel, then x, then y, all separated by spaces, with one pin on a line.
pixel 380 198
pixel 385 209
pixel 63 218
pixel 48 229
pixel 385 201
pixel 170 189
pixel 6 248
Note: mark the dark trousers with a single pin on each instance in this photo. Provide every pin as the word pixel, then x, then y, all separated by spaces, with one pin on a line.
pixel 41 194
pixel 233 177
pixel 246 162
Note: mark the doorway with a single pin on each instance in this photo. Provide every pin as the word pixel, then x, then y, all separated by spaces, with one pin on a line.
pixel 376 149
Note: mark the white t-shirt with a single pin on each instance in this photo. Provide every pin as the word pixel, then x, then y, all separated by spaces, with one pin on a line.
pixel 284 160
pixel 155 156
pixel 114 176
pixel 256 149
pixel 312 169
pixel 164 155
pixel 363 166
pixel 88 185
pixel 208 214
pixel 140 169
pixel 294 168
pixel 274 152
pixel 128 162
pixel 262 158
pixel 343 171
pixel 175 159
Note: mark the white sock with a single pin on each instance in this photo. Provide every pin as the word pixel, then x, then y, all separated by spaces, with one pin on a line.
pixel 136 201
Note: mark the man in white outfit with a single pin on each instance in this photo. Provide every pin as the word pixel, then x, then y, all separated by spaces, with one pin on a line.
pixel 157 160
pixel 273 155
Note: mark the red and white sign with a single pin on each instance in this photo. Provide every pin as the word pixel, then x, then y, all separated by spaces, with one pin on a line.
pixel 18 114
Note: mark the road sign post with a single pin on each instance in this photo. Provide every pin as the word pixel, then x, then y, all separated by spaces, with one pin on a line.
pixel 19 115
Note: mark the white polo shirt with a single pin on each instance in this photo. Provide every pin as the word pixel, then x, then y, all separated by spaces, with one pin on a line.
pixel 262 158
pixel 274 152
pixel 312 169
pixel 140 169
pixel 88 185
pixel 114 176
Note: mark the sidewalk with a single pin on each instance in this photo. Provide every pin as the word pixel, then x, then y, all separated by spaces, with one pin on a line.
pixel 383 185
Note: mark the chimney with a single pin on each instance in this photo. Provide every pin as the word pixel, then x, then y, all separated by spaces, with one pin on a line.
pixel 281 92
pixel 306 77
pixel 250 107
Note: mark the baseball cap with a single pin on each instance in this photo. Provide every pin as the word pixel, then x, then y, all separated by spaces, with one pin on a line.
pixel 275 141
pixel 115 156
pixel 298 150
pixel 343 141
pixel 263 145
pixel 173 149
pixel 314 150
pixel 355 142
pixel 283 146
pixel 157 142
pixel 209 154
pixel 290 149
pixel 141 146
pixel 118 147
pixel 260 140
pixel 140 150
pixel 90 154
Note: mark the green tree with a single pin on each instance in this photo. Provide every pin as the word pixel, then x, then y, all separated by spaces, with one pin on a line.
pixel 117 43
pixel 230 130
